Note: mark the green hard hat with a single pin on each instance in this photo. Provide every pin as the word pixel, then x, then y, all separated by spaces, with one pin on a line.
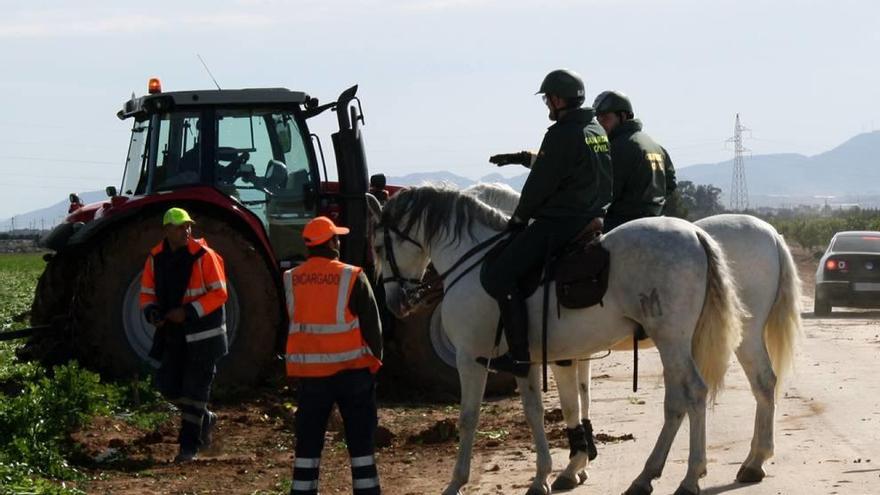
pixel 176 216
pixel 563 83
pixel 612 102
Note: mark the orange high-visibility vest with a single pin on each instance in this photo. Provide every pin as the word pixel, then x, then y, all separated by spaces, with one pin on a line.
pixel 324 337
pixel 206 290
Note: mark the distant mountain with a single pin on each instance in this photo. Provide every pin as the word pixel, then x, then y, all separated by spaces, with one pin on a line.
pixel 49 216
pixel 848 173
pixel 419 178
pixel 457 180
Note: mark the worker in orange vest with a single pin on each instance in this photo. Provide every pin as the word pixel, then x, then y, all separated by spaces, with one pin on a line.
pixel 334 347
pixel 183 290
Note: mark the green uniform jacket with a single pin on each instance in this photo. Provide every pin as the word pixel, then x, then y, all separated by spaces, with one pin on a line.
pixel 571 176
pixel 643 173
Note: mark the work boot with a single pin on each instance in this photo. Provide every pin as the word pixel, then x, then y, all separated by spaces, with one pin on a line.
pixel 207 434
pixel 514 319
pixel 185 455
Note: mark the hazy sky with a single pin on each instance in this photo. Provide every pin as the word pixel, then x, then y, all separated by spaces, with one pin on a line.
pixel 444 83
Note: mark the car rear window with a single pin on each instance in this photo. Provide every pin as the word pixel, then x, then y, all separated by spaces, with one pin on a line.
pixel 861 243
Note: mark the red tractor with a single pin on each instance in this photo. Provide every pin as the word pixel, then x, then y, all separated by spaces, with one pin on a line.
pixel 244 163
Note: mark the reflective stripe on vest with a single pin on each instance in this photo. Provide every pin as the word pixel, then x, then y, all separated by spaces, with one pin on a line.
pixel 325 329
pixel 207 334
pixel 199 309
pixel 342 294
pixel 288 290
pixel 338 357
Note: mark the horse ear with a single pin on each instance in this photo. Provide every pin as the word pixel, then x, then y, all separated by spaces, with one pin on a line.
pixel 375 209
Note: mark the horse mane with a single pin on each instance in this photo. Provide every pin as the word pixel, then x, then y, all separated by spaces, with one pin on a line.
pixel 432 206
pixel 496 194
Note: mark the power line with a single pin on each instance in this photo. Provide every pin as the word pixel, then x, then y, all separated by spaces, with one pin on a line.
pixel 67 160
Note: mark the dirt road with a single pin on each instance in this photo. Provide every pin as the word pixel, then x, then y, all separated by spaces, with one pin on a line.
pixel 828 422
pixel 827 442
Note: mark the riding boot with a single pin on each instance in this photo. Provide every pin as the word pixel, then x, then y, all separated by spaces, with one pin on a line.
pixel 514 319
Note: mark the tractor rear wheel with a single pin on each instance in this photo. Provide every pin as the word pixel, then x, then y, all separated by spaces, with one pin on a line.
pixel 113 336
pixel 51 302
pixel 429 357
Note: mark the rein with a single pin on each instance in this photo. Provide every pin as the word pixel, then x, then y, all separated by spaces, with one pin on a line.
pixel 414 295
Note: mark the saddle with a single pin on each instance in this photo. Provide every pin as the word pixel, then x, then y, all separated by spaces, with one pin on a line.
pixel 580 270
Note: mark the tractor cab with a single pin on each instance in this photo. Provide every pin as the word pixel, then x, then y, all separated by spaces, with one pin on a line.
pixel 253 146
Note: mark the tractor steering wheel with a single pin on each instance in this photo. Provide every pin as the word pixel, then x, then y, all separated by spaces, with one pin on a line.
pixel 232 171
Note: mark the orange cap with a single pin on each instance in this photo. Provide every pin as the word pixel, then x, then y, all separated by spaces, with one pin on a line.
pixel 320 230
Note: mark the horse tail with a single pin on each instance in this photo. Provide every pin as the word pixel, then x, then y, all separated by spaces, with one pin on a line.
pixel 783 326
pixel 719 328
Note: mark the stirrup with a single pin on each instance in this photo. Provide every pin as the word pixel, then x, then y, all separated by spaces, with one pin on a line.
pixel 506 364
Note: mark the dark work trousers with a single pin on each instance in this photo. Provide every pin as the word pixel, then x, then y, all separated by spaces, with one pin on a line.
pixel 186 381
pixel 500 275
pixel 354 391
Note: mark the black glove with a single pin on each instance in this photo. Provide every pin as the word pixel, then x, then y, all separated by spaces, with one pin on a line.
pixel 153 315
pixel 523 158
pixel 516 224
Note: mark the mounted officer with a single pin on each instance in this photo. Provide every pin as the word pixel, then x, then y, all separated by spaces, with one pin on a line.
pixel 643 172
pixel 568 188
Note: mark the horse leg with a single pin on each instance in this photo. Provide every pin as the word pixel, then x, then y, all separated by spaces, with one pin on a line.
pixel 569 399
pixel 473 383
pixel 752 354
pixel 584 372
pixel 530 393
pixel 696 392
pixel 685 392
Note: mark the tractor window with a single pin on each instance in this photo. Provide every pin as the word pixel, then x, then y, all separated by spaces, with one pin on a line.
pixel 262 160
pixel 134 180
pixel 178 160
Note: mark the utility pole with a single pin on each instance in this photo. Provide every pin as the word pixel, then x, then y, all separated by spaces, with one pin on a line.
pixel 739 192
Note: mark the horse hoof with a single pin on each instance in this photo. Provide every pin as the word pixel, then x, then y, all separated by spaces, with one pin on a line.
pixel 564 483
pixel 684 491
pixel 750 475
pixel 583 476
pixel 638 490
pixel 545 490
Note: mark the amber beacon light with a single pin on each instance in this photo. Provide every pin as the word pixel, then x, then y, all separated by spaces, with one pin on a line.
pixel 154 86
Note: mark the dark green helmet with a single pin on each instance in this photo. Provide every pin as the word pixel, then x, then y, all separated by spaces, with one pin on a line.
pixel 563 83
pixel 612 102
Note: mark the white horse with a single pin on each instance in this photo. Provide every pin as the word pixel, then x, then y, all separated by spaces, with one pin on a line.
pixel 666 275
pixel 769 287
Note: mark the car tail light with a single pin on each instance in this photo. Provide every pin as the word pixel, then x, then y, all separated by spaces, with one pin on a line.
pixel 832 265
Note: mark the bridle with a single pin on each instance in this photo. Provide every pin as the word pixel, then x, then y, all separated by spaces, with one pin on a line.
pixel 413 295
pixel 392 261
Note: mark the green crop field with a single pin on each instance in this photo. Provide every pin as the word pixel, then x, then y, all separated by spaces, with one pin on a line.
pixel 18 278
pixel 39 407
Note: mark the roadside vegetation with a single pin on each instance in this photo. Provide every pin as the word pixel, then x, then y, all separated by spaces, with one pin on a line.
pixel 40 408
pixel 809 227
pixel 813 233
